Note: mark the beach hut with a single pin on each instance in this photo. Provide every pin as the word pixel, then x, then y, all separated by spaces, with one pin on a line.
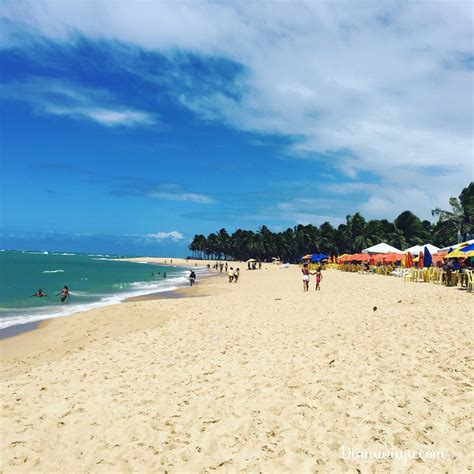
pixel 415 250
pixel 381 248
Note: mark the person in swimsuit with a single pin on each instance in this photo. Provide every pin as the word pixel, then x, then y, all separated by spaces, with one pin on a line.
pixel 64 294
pixel 319 277
pixel 39 294
pixel 305 272
pixel 236 275
pixel 192 278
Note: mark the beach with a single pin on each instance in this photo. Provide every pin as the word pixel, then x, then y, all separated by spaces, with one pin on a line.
pixel 249 377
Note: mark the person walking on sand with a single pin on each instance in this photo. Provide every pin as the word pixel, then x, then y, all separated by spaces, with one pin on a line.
pixel 236 275
pixel 231 274
pixel 192 277
pixel 226 266
pixel 319 277
pixel 305 272
pixel 64 294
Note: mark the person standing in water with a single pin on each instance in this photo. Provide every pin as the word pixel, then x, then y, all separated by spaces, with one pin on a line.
pixel 192 277
pixel 39 294
pixel 64 294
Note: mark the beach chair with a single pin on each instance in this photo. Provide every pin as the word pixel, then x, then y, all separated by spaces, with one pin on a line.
pixel 410 275
pixel 470 280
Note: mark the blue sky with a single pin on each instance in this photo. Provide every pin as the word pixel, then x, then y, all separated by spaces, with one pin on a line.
pixel 128 127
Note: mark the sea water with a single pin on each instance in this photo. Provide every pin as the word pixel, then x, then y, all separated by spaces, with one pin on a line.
pixel 93 281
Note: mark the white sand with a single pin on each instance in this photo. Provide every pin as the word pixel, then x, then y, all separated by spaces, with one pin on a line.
pixel 251 377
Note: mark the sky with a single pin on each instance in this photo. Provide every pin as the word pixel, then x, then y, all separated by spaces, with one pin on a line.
pixel 128 127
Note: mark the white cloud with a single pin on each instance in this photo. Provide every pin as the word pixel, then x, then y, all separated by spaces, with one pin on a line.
pixel 384 86
pixel 190 197
pixel 174 192
pixel 53 97
pixel 173 235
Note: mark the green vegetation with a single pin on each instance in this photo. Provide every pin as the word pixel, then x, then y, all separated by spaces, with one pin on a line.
pixel 353 236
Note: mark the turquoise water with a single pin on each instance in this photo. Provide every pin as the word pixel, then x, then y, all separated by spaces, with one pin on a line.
pixel 93 280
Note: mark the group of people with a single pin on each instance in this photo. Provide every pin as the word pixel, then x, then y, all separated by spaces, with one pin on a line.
pixel 64 294
pixel 158 274
pixel 306 273
pixel 233 275
pixel 220 266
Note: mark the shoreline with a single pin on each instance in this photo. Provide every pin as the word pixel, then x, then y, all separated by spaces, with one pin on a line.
pixel 30 344
pixel 17 329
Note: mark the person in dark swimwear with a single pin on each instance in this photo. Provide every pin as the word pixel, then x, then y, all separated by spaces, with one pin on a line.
pixel 39 294
pixel 192 278
pixel 64 294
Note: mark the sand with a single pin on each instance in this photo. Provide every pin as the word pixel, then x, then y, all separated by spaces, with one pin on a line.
pixel 250 377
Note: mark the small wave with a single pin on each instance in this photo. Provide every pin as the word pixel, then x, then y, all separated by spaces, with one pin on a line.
pixel 53 271
pixel 134 289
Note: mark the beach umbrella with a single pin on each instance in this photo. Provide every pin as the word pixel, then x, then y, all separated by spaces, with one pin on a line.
pixel 393 257
pixel 250 260
pixel 427 259
pixel 420 260
pixel 459 253
pixel 468 250
pixel 317 257
pixel 306 257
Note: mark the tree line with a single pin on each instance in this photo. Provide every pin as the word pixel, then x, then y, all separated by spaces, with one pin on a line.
pixel 354 235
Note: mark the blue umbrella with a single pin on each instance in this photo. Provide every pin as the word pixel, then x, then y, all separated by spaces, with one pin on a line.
pixel 317 257
pixel 427 258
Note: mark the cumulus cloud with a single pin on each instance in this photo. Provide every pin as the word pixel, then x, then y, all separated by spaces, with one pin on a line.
pixel 173 235
pixel 380 87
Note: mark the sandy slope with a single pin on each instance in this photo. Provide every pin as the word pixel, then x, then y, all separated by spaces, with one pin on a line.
pixel 257 376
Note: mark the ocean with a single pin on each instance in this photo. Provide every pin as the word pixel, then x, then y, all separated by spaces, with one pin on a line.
pixel 93 281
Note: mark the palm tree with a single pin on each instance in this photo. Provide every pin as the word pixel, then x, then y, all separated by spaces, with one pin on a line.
pixel 461 215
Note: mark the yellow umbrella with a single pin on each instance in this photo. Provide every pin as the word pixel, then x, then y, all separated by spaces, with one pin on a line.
pixel 457 254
